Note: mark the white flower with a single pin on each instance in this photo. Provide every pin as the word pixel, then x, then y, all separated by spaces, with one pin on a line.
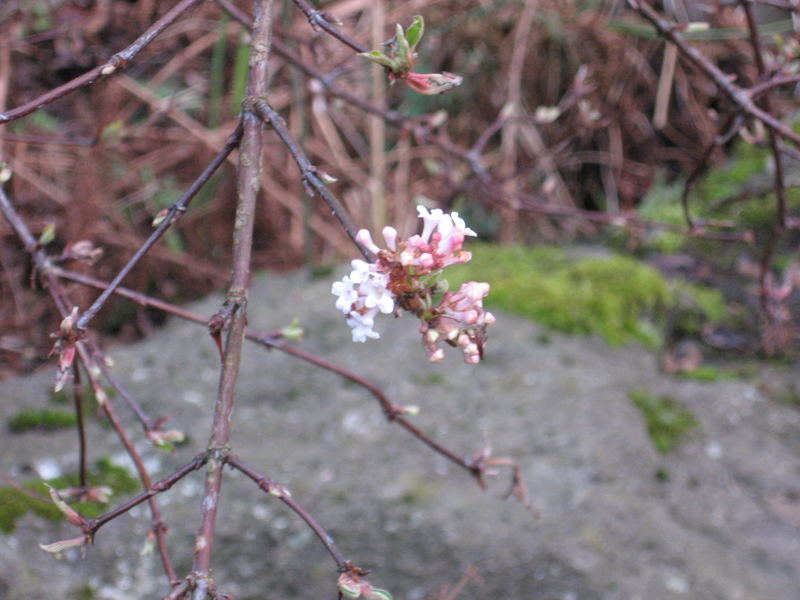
pixel 362 327
pixel 361 295
pixel 459 224
pixel 346 293
pixel 430 219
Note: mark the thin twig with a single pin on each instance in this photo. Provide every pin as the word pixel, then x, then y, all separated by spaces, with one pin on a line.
pixel 172 215
pixel 45 267
pixel 738 95
pixel 279 491
pixel 310 173
pixel 393 413
pixel 156 488
pixel 327 22
pixel 114 64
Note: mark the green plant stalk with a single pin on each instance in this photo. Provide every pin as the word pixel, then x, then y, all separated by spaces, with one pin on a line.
pixel 217 75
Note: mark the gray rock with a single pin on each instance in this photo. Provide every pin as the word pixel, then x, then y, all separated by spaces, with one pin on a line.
pixel 724 526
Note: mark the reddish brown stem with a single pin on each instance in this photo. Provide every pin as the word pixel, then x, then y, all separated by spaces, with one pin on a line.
pixel 78 393
pixel 279 491
pixel 156 488
pixel 248 182
pixel 393 413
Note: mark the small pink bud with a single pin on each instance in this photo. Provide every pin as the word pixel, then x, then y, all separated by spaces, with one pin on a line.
pixel 431 336
pixel 431 84
pixel 437 356
pixel 390 236
pixel 349 585
pixel 69 512
pixel 365 238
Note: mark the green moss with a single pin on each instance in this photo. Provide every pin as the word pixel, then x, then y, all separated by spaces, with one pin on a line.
pixel 616 296
pixel 15 503
pixel 83 592
pixel 696 305
pixel 747 162
pixel 43 419
pixel 709 373
pixel 708 300
pixel 429 379
pixel 666 420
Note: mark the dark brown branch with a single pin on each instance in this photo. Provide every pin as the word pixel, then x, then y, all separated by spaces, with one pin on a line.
pixel 777 157
pixel 116 63
pixel 766 103
pixel 248 183
pixel 731 128
pixel 392 412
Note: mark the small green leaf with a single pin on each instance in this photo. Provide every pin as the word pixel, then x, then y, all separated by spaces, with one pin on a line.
pixel 415 31
pixel 48 234
pixel 402 49
pixel 378 57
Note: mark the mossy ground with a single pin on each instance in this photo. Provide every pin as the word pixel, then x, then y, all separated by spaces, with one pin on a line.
pixel 15 503
pixel 666 420
pixel 615 296
pixel 41 419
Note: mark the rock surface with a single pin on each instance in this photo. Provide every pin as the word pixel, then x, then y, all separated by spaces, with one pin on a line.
pixel 724 525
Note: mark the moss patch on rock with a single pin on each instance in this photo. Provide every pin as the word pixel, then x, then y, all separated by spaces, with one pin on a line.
pixel 41 419
pixel 15 503
pixel 615 296
pixel 666 420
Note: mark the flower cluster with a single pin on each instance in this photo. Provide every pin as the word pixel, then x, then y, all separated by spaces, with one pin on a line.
pixel 405 277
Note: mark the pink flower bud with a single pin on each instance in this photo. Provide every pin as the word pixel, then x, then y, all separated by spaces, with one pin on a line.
pixel 365 238
pixel 390 235
pixel 437 355
pixel 431 84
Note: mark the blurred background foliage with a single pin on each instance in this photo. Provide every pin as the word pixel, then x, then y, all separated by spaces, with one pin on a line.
pixel 560 108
